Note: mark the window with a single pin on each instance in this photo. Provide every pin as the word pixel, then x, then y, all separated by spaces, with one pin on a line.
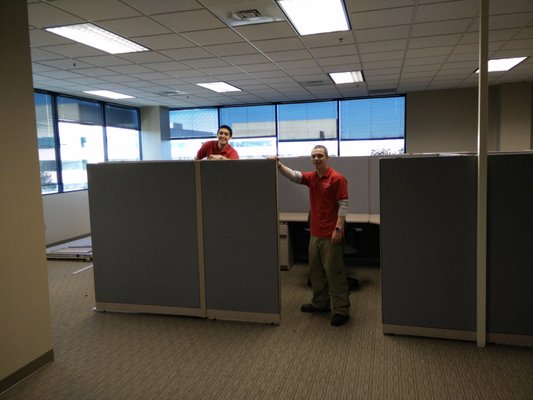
pixel 191 124
pixel 314 122
pixel 254 129
pixel 71 134
pixel 372 126
pixel 81 138
pixel 358 127
pixel 122 133
pixel 47 142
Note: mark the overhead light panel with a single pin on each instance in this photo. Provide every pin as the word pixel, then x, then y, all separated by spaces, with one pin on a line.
pixel 219 87
pixel 316 16
pixel 503 64
pixel 94 36
pixel 108 94
pixel 347 77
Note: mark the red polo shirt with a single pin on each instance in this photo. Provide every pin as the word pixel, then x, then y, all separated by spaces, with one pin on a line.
pixel 324 193
pixel 211 147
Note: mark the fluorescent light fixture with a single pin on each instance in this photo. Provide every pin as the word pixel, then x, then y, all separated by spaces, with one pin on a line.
pixel 94 36
pixel 347 77
pixel 219 87
pixel 503 64
pixel 108 94
pixel 316 16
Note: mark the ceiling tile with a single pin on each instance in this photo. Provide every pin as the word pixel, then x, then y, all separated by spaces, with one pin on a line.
pixel 272 30
pixel 447 10
pixel 378 34
pixel 387 45
pixel 44 15
pixel 328 39
pixel 149 7
pixel 233 49
pixel 95 10
pixel 279 44
pixel 206 62
pixel 246 59
pixel 213 36
pixel 381 18
pixel 289 55
pixel 132 27
pixel 440 27
pixel 189 53
pixel 366 5
pixel 163 42
pixel 189 21
pixel 130 69
pixel 144 57
pixel 73 50
pixel 44 38
pixel 66 63
pixel 104 61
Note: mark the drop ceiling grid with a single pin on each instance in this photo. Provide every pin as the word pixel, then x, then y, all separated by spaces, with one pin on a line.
pixel 189 44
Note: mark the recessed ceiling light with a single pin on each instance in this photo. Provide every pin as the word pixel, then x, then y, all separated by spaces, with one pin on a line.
pixel 346 77
pixel 108 94
pixel 503 64
pixel 316 16
pixel 94 36
pixel 219 87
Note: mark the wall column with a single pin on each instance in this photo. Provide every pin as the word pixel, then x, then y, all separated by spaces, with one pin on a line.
pixel 26 333
pixel 155 132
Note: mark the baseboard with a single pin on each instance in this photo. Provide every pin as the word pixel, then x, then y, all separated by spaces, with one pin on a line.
pixel 509 338
pixel 429 332
pixel 27 370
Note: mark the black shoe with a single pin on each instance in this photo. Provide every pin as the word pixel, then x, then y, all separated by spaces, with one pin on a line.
pixel 353 284
pixel 312 309
pixel 339 319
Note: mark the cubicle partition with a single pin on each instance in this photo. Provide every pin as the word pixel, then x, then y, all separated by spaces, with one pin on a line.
pixel 509 249
pixel 240 231
pixel 428 247
pixel 175 237
pixel 144 237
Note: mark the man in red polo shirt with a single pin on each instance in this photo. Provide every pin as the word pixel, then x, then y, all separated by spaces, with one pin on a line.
pixel 219 149
pixel 328 195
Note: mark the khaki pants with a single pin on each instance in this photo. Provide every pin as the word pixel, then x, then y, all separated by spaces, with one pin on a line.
pixel 328 276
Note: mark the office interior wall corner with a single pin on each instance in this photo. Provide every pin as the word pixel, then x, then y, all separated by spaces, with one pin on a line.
pixel 155 133
pixel 516 116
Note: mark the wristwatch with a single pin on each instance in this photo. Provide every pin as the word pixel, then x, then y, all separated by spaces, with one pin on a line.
pixel 339 229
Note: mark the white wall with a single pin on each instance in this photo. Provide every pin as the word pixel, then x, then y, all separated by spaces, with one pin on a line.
pixel 446 120
pixel 515 117
pixel 26 332
pixel 66 216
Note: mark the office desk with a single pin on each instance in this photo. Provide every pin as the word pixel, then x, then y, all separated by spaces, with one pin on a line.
pixel 286 249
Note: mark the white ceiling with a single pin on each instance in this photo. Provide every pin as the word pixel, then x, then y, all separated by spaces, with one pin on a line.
pixel 400 45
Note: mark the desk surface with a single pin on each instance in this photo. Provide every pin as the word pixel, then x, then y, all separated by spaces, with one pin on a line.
pixel 351 218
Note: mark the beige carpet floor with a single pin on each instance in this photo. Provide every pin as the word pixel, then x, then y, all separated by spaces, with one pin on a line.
pixel 131 356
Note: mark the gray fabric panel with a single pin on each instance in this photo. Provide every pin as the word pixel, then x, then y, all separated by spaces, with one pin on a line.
pixel 143 226
pixel 510 244
pixel 240 219
pixel 428 242
pixel 295 198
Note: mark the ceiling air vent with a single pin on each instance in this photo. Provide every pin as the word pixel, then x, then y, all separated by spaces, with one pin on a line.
pixel 315 83
pixel 172 93
pixel 247 15
pixel 245 12
pixel 381 92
